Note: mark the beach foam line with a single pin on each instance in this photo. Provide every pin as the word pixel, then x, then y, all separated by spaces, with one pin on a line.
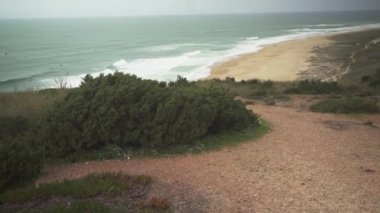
pixel 251 46
pixel 325 25
pixel 164 68
pixel 150 68
pixel 252 38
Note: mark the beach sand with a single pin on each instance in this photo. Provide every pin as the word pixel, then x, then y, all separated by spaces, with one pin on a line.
pixel 278 62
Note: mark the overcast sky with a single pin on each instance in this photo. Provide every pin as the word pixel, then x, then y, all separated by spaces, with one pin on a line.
pixel 96 8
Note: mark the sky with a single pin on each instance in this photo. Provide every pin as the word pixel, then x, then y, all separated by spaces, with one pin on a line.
pixel 100 8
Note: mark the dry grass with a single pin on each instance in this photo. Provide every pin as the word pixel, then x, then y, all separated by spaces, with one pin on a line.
pixel 29 103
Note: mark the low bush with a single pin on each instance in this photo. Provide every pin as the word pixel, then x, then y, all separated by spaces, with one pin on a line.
pixel 270 101
pixel 90 186
pixel 83 206
pixel 13 126
pixel 19 164
pixel 313 87
pixel 130 112
pixel 158 203
pixel 346 105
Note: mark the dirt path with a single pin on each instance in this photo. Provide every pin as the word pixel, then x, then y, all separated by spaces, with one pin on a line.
pixel 309 162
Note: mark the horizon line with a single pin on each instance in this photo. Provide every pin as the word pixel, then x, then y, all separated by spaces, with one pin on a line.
pixel 189 14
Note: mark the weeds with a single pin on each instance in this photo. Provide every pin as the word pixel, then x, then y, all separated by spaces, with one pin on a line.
pixel 91 186
pixel 346 105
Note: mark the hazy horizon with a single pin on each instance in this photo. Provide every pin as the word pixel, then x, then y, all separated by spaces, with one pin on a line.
pixel 163 15
pixel 32 9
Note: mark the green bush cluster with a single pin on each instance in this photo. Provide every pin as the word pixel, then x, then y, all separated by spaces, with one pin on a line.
pixel 346 105
pixel 372 81
pixel 130 112
pixel 13 126
pixel 313 87
pixel 19 163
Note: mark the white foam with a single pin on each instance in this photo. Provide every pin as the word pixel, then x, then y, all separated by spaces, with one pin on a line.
pixel 164 68
pixel 252 38
pixel 326 25
pixel 120 63
pixel 170 47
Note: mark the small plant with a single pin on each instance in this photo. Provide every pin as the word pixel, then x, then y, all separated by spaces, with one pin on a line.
pixel 313 87
pixel 267 84
pixel 346 105
pixel 87 187
pixel 61 82
pixel 258 93
pixel 249 102
pixel 370 124
pixel 270 101
pixel 82 206
pixel 230 79
pixel 253 81
pixel 158 203
pixel 366 79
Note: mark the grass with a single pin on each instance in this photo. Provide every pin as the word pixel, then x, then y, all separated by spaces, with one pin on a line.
pixel 82 206
pixel 313 87
pixel 108 192
pixel 75 207
pixel 346 105
pixel 29 103
pixel 21 110
pixel 91 186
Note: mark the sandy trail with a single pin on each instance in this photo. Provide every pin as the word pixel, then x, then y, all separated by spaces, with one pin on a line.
pixel 309 162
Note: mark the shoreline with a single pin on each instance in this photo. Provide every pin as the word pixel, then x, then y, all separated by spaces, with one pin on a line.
pixel 282 61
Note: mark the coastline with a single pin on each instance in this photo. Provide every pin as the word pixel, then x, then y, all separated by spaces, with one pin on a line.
pixel 282 61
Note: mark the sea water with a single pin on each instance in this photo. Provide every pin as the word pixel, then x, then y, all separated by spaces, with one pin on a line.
pixel 36 53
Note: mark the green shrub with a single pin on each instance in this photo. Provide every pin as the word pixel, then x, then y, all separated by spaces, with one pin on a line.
pixel 253 81
pixel 313 87
pixel 90 186
pixel 270 101
pixel 230 79
pixel 130 112
pixel 267 84
pixel 346 105
pixel 13 126
pixel 19 164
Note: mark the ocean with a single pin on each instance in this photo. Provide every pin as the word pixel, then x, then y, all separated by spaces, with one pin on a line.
pixel 35 53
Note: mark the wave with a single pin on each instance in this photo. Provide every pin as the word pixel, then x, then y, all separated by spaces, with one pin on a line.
pixel 252 38
pixel 196 64
pixel 171 47
pixel 325 25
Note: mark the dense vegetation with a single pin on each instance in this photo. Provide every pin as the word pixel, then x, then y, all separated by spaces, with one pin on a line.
pixel 116 112
pixel 313 87
pixel 346 105
pixel 19 163
pixel 129 112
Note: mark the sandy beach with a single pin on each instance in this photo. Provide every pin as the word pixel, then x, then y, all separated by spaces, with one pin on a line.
pixel 278 62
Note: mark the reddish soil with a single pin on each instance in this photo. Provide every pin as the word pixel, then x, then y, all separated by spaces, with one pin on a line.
pixel 309 162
